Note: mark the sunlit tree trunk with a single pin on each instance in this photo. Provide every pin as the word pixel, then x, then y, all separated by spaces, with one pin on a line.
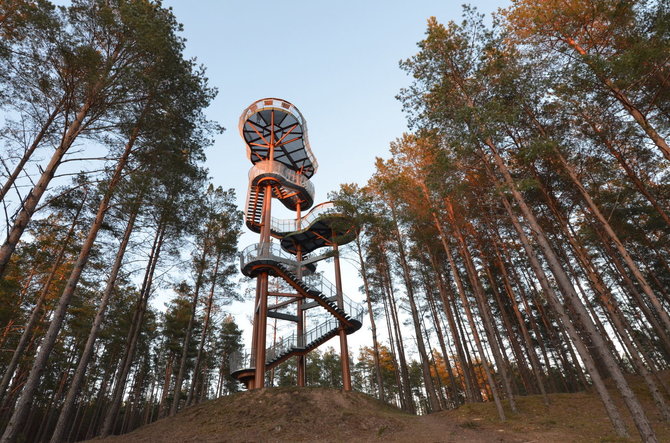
pixel 37 309
pixel 80 372
pixel 47 344
pixel 573 299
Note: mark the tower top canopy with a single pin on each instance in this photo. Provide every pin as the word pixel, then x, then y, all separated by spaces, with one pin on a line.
pixel 272 126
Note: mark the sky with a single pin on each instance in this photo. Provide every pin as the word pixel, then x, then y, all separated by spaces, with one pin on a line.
pixel 338 62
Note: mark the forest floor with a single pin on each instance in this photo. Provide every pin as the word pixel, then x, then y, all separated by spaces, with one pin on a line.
pixel 320 414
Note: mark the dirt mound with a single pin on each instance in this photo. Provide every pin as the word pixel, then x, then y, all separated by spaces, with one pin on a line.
pixel 301 414
pixel 319 414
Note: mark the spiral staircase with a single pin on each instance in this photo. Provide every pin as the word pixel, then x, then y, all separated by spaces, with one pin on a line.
pixel 276 137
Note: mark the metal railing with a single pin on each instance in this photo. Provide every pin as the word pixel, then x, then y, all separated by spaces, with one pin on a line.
pixel 291 177
pixel 320 330
pixel 245 359
pixel 281 347
pixel 283 105
pixel 283 227
pixel 267 251
pixel 286 226
pixel 273 252
pixel 329 290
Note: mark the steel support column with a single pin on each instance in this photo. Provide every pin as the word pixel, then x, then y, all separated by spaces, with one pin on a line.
pixel 262 287
pixel 344 348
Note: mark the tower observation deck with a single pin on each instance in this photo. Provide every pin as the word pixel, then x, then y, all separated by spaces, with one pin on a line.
pixel 284 261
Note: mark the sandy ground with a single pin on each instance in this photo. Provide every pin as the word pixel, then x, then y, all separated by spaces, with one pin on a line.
pixel 328 415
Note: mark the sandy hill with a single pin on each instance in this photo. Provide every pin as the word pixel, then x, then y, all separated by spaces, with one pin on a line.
pixel 318 414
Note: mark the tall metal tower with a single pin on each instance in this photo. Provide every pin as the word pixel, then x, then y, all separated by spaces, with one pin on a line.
pixel 275 133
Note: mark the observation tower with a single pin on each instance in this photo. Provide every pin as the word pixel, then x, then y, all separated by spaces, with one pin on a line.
pixel 284 261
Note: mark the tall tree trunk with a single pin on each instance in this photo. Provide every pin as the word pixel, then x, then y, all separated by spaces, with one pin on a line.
pixel 391 336
pixel 573 299
pixel 622 98
pixel 404 372
pixel 482 355
pixel 637 182
pixel 373 326
pixel 530 349
pixel 189 329
pixel 451 389
pixel 31 149
pixel 656 303
pixel 135 329
pixel 205 327
pixel 468 312
pixel 166 386
pixel 35 314
pixel 23 404
pixel 80 372
pixel 470 394
pixel 428 381
pixel 33 198
pixel 516 343
pixel 480 298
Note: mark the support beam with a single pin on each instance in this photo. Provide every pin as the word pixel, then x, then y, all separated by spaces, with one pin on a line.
pixel 282 316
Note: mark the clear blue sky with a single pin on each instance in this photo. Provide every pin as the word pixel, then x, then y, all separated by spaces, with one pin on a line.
pixel 336 61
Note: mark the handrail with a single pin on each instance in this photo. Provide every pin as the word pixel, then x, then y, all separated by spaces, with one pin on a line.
pixel 245 359
pixel 292 179
pixel 283 227
pixel 273 252
pixel 284 106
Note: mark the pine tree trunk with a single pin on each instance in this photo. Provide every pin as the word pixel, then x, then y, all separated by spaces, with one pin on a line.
pixel 80 372
pixel 203 334
pixel 451 390
pixel 35 314
pixel 166 386
pixel 651 316
pixel 33 198
pixel 373 326
pixel 470 394
pixel 530 349
pixel 628 105
pixel 609 144
pixel 593 276
pixel 391 336
pixel 464 302
pixel 428 381
pixel 482 355
pixel 656 303
pixel 31 149
pixel 189 332
pixel 404 372
pixel 572 298
pixel 487 321
pixel 553 336
pixel 512 336
pixel 23 404
pixel 133 334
